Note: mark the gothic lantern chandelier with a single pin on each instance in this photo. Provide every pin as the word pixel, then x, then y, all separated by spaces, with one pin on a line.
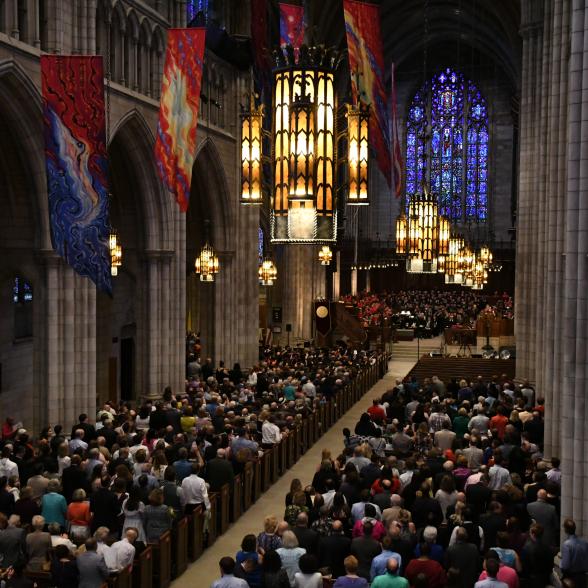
pixel 453 273
pixel 325 255
pixel 303 141
pixel 207 264
pixel 401 233
pixel 422 230
pixel 251 159
pixel 485 256
pixel 268 272
pixel 467 265
pixel 115 252
pixel 358 122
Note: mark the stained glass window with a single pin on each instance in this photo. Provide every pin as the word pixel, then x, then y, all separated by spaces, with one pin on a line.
pixel 22 291
pixel 260 243
pixel 195 7
pixel 447 146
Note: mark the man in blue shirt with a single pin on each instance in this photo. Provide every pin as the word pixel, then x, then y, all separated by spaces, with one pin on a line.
pixel 379 562
pixel 227 579
pixel 574 555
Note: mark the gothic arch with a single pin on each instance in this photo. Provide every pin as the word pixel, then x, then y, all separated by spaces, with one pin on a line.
pixel 137 141
pixel 21 107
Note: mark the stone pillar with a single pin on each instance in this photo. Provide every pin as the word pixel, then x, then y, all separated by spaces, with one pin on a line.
pixel 92 28
pixel 153 330
pixel 36 24
pixel 303 282
pixel 15 32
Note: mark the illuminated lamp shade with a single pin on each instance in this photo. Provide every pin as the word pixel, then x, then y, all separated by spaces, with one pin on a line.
pixel 358 120
pixel 325 255
pixel 485 256
pixel 444 234
pixel 207 264
pixel 453 273
pixel 268 272
pixel 401 234
pixel 115 252
pixel 302 149
pixel 423 234
pixel 251 152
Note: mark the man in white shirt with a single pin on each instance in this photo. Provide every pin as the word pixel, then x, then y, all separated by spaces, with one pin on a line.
pixel 270 432
pixel 194 491
pixel 7 467
pixel 123 551
pixel 480 423
pixel 309 389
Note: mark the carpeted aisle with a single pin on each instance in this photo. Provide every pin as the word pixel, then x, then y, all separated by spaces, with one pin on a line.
pixel 205 570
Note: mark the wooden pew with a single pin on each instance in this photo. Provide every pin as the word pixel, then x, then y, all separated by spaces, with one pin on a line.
pixel 41 579
pixel 252 488
pixel 180 548
pixel 162 561
pixel 123 579
pixel 267 466
pixel 196 534
pixel 283 448
pixel 143 569
pixel 212 521
pixel 224 508
pixel 275 463
pixel 237 496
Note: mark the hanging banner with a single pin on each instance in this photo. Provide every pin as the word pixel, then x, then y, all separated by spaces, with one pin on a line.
pixel 292 25
pixel 397 162
pixel 76 163
pixel 366 64
pixel 175 145
pixel 259 42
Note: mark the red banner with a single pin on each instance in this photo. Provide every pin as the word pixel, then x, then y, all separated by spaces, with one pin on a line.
pixel 175 147
pixel 292 25
pixel 366 63
pixel 259 42
pixel 397 162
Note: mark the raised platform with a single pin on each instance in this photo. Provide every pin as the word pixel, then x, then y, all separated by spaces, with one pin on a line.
pixel 462 367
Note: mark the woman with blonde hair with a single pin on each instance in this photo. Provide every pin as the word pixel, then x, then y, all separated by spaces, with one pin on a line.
pixel 159 463
pixel 79 516
pixel 268 539
pixel 290 554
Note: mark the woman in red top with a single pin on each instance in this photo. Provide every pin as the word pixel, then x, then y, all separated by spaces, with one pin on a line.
pixel 79 516
pixel 498 423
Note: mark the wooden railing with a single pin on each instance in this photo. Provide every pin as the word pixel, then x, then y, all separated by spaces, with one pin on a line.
pixel 157 565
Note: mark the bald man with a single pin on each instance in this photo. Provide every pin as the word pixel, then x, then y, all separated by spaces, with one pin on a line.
pixel 333 549
pixel 390 579
pixel 545 514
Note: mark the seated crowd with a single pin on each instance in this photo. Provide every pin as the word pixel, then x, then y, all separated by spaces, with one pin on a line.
pixel 429 311
pixel 437 486
pixel 79 506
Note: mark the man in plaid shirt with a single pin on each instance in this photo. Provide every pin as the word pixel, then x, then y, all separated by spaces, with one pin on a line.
pixel 437 418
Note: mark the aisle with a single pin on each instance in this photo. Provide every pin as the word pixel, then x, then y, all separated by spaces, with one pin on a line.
pixel 205 570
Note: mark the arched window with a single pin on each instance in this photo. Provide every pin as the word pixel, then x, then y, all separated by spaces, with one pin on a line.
pixel 197 8
pixel 260 244
pixel 22 298
pixel 447 146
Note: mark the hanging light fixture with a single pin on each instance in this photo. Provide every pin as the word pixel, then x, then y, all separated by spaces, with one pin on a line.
pixel 358 122
pixel 485 256
pixel 268 272
pixel 207 264
pixel 467 266
pixel 423 234
pixel 325 255
pixel 251 154
pixel 115 252
pixel 401 233
pixel 453 273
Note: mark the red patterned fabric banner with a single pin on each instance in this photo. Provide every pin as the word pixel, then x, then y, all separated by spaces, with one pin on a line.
pixel 366 63
pixel 292 25
pixel 397 162
pixel 259 42
pixel 175 146
pixel 76 163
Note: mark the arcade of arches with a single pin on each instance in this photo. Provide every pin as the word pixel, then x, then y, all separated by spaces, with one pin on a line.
pixel 518 180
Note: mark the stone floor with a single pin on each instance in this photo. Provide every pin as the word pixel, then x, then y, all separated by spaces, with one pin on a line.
pixel 202 572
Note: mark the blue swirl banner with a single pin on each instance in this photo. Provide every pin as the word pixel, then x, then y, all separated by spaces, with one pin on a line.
pixel 76 163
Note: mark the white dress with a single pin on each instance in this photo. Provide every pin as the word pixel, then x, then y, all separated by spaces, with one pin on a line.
pixel 134 518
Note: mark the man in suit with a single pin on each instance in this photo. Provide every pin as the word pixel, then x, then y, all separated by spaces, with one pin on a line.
pixel 307 538
pixel 105 507
pixel 86 426
pixel 333 549
pixel 545 514
pixel 12 544
pixel 365 548
pixel 91 567
pixel 464 556
pixel 219 471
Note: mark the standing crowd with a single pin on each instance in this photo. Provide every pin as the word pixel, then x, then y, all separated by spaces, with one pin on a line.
pixel 437 486
pixel 79 505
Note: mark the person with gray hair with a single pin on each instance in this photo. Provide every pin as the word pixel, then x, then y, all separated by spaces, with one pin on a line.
pixel 290 554
pixel 38 545
pixel 436 551
pixel 53 504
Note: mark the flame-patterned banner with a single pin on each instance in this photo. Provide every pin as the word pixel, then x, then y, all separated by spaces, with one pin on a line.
pixel 175 146
pixel 366 63
pixel 76 163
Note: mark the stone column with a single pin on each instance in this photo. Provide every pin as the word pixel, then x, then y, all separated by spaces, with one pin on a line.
pixel 91 28
pixel 36 24
pixel 15 32
pixel 152 388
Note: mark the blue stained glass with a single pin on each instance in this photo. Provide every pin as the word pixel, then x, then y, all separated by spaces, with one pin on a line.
pixel 260 244
pixel 457 152
pixel 22 291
